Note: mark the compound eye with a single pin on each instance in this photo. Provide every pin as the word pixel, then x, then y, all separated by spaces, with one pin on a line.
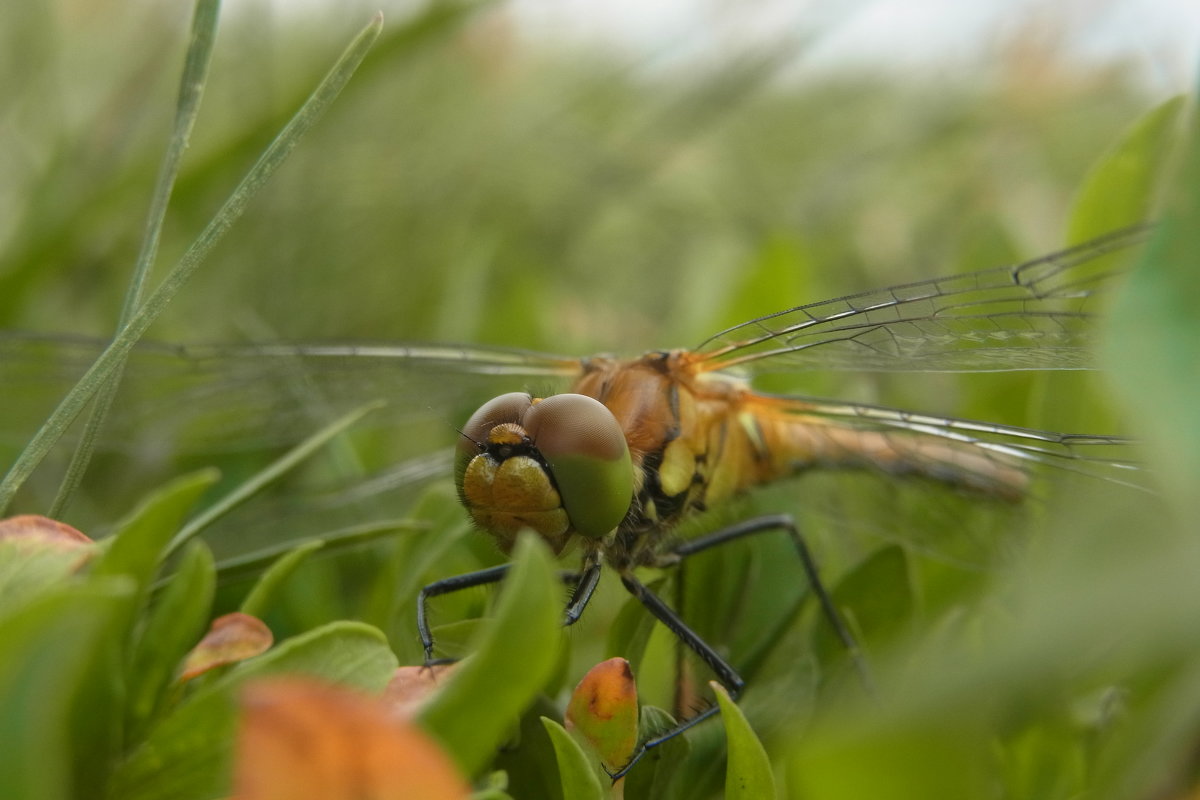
pixel 587 453
pixel 508 408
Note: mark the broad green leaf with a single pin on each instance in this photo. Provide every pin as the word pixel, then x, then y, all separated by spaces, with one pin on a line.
pixel 187 755
pixel 511 662
pixel 527 757
pixel 457 637
pixel 578 774
pixel 1153 340
pixel 268 584
pixel 493 788
pixel 139 542
pixel 630 632
pixel 748 773
pixel 1124 187
pixel 135 553
pixel 891 762
pixel 48 647
pixel 438 524
pixel 174 624
pixel 878 596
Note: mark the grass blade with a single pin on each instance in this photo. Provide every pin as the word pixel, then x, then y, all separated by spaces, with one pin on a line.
pixel 114 354
pixel 191 90
pixel 262 479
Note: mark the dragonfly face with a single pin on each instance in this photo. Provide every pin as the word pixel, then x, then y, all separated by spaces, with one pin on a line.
pixel 559 466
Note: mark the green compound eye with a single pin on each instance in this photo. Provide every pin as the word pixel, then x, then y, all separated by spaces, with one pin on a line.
pixel 587 453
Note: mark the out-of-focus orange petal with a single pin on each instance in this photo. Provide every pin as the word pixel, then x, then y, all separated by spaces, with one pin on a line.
pixel 305 740
pixel 604 711
pixel 231 638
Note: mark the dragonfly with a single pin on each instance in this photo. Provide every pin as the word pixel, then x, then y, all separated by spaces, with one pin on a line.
pixel 609 463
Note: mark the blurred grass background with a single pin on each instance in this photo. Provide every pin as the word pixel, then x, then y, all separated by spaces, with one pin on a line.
pixel 475 186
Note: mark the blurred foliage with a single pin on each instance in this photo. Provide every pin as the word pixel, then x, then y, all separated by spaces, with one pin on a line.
pixel 471 187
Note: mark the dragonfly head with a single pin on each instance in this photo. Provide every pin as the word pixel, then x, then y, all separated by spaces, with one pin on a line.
pixel 559 466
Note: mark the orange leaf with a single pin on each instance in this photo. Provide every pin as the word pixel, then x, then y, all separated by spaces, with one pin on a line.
pixel 231 638
pixel 38 552
pixel 304 740
pixel 604 711
pixel 37 535
pixel 43 530
pixel 410 687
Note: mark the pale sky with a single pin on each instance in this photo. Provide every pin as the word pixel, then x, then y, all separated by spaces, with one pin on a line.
pixel 1159 38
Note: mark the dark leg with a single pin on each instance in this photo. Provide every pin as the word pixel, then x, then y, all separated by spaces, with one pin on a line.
pixel 724 671
pixel 784 522
pixel 584 582
pixel 445 586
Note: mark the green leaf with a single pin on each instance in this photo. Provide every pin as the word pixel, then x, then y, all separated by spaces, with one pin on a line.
pixel 512 660
pixel 877 596
pixel 1153 341
pixel 629 633
pixel 458 636
pixel 140 540
pixel 48 648
pixel 135 554
pixel 493 788
pixel 748 774
pixel 268 584
pixel 173 625
pixel 1123 188
pixel 188 754
pixel 578 774
pixel 439 512
pixel 914 761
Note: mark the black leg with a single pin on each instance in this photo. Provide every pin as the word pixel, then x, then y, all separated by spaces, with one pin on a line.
pixel 724 671
pixel 587 580
pixel 784 522
pixel 584 582
pixel 445 586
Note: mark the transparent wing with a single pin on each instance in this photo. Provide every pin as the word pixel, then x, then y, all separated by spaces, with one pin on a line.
pixel 238 408
pixel 1030 316
pixel 218 398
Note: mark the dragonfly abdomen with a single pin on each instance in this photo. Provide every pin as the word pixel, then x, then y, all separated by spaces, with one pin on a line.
pixel 789 441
